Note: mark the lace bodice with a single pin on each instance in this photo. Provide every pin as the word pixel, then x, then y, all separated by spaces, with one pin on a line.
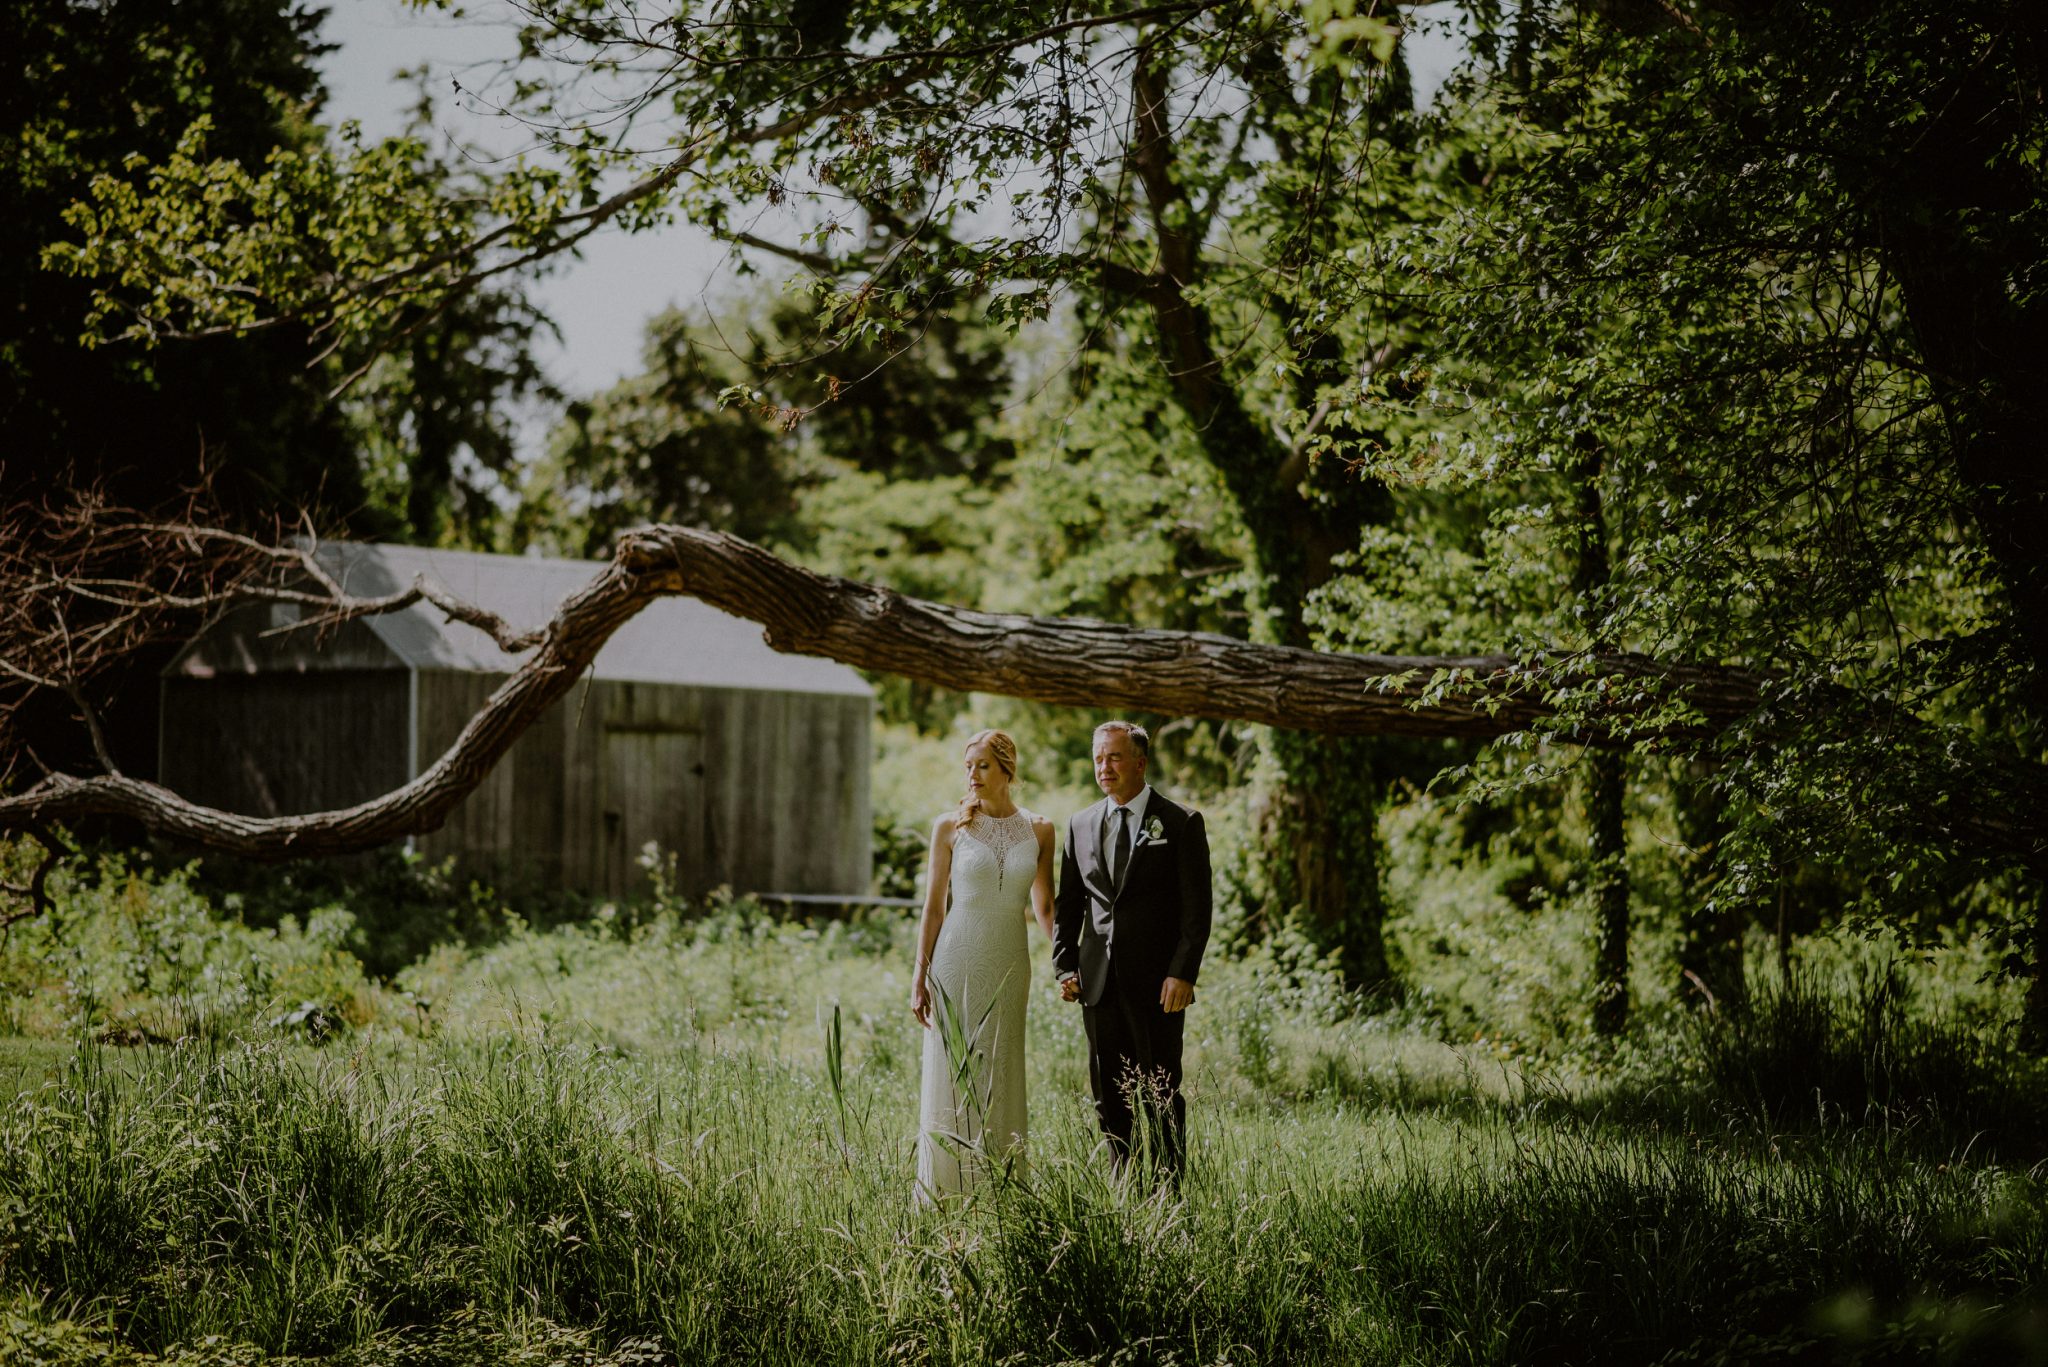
pixel 988 870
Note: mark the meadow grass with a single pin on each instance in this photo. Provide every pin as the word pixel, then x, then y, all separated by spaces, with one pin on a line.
pixel 606 1144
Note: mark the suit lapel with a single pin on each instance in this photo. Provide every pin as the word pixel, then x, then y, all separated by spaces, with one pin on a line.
pixel 1153 809
pixel 1159 810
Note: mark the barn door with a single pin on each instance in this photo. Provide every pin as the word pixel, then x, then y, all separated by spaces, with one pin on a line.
pixel 653 790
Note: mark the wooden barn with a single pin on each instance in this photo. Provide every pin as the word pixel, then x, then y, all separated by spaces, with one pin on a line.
pixel 751 767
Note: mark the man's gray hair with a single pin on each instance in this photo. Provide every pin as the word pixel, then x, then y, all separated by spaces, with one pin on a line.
pixel 1141 740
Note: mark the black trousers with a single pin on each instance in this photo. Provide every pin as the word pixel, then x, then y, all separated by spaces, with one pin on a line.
pixel 1134 1056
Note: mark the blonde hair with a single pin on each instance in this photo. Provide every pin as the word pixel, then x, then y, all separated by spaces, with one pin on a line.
pixel 1003 751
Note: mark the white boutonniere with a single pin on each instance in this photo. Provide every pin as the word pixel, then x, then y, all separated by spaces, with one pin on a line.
pixel 1154 832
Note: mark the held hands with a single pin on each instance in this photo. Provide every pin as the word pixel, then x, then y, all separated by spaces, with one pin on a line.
pixel 1175 994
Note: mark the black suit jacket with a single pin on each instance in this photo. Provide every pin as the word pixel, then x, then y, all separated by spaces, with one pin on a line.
pixel 1156 926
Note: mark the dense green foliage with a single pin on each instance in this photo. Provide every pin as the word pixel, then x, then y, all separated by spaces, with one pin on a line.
pixel 96 90
pixel 116 97
pixel 102 404
pixel 1686 291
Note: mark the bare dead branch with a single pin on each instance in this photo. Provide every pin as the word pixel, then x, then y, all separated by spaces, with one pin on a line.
pixel 816 262
pixel 23 676
pixel 969 51
pixel 1087 663
pixel 569 643
pixel 343 608
pixel 85 585
pixel 90 715
pixel 35 893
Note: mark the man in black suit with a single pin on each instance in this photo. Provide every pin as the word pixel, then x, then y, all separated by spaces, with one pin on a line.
pixel 1131 919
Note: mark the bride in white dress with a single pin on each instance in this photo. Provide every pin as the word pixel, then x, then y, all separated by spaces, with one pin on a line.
pixel 989 860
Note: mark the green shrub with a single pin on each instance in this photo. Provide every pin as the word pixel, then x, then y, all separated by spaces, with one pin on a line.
pixel 1482 947
pixel 137 953
pixel 899 857
pixel 402 906
pixel 625 1139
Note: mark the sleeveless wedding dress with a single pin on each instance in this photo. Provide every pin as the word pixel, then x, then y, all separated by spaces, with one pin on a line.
pixel 971 1109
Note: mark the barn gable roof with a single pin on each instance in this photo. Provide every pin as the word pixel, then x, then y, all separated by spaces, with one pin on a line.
pixel 671 640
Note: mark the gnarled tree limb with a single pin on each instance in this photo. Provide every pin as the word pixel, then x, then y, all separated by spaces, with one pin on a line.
pixel 1081 662
pixel 1072 661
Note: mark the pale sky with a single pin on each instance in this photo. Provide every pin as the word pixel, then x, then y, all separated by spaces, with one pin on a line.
pixel 602 301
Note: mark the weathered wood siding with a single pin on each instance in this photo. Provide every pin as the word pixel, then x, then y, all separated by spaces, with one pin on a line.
pixel 757 790
pixel 284 744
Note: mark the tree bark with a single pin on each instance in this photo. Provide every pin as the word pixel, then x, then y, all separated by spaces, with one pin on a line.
pixel 1607 868
pixel 1710 968
pixel 2034 1012
pixel 1081 662
pixel 1957 226
pixel 1318 849
pixel 1989 357
pixel 1607 852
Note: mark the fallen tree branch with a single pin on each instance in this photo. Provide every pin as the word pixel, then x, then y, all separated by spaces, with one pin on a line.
pixel 1073 661
pixel 581 626
pixel 1080 662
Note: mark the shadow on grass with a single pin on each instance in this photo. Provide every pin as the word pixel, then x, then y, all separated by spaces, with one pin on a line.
pixel 1797 1063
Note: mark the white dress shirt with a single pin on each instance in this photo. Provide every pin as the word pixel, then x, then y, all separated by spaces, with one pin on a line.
pixel 1137 818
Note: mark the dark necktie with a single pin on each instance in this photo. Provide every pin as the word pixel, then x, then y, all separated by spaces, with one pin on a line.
pixel 1123 847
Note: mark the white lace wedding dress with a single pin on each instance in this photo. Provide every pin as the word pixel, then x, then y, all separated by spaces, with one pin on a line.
pixel 971 1109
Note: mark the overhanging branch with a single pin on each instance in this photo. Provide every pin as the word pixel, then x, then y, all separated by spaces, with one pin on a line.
pixel 1072 661
pixel 1081 662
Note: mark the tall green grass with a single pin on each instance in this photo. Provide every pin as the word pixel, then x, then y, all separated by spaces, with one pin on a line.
pixel 1859 1051
pixel 702 1205
pixel 689 1138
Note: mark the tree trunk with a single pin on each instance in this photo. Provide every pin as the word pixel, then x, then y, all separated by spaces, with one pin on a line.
pixel 1991 359
pixel 2034 1017
pixel 1318 830
pixel 1710 968
pixel 1957 227
pixel 1074 662
pixel 1069 661
pixel 1607 852
pixel 1608 877
pixel 1318 846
